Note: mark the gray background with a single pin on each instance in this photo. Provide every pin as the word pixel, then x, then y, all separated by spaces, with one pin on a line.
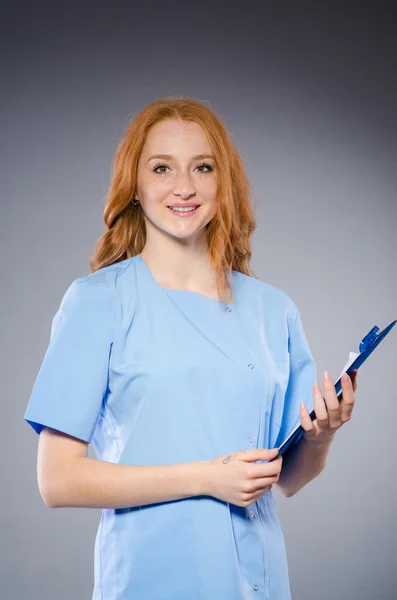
pixel 308 91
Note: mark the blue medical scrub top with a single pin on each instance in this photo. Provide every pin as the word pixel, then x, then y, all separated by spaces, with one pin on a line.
pixel 154 376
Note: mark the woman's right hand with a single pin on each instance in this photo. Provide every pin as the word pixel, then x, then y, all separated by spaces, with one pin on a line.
pixel 236 479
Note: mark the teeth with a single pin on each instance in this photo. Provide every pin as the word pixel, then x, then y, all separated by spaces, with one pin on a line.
pixel 184 209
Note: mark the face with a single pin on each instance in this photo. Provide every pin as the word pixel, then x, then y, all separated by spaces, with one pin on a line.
pixel 186 177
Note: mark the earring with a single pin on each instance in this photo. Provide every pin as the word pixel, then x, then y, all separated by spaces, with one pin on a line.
pixel 135 202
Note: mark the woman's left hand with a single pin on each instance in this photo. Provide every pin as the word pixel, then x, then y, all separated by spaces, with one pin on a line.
pixel 330 413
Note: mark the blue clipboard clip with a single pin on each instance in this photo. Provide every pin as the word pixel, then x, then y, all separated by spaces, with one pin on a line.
pixel 367 346
pixel 369 338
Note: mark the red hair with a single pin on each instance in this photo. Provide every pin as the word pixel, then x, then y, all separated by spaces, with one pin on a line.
pixel 227 234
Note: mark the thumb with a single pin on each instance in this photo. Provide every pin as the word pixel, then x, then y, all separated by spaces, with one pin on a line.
pixel 259 454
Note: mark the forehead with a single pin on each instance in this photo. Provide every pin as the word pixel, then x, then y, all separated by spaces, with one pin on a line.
pixel 169 134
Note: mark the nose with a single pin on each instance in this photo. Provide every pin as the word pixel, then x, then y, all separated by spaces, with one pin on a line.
pixel 183 185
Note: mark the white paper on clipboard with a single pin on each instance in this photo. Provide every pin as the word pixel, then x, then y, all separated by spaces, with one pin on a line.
pixel 352 358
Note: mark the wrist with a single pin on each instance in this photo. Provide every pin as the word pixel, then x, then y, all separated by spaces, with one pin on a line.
pixel 202 484
pixel 320 441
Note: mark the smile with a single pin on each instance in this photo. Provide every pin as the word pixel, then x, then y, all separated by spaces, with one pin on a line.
pixel 183 212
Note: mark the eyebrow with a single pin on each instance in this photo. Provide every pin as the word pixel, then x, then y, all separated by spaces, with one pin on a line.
pixel 170 157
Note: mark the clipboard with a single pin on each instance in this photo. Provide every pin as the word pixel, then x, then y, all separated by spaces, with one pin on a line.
pixel 367 346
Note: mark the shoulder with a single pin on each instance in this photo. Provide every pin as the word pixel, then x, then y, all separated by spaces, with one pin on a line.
pixel 274 300
pixel 99 291
pixel 108 278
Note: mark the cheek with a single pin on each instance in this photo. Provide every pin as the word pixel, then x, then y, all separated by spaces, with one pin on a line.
pixel 212 211
pixel 155 187
pixel 207 191
pixel 208 187
pixel 153 194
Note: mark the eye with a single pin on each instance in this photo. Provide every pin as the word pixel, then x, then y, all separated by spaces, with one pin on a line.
pixel 159 167
pixel 206 165
pixel 200 166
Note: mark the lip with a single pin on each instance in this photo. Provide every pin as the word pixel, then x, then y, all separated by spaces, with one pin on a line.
pixel 183 204
pixel 184 214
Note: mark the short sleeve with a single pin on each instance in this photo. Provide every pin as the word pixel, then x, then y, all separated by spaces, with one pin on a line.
pixel 73 378
pixel 302 377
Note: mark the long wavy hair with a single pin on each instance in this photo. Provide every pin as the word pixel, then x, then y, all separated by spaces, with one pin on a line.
pixel 229 231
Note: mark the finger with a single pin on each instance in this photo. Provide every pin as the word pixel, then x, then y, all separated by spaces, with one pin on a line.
pixel 320 409
pixel 332 404
pixel 353 377
pixel 251 455
pixel 256 471
pixel 257 454
pixel 252 497
pixel 348 399
pixel 306 422
pixel 262 482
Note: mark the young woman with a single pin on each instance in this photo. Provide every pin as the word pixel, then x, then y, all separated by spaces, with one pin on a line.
pixel 186 373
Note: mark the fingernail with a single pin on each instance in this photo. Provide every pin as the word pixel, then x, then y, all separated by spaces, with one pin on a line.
pixel 326 375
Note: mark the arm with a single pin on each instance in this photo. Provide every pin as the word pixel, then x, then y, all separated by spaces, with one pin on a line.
pixel 303 463
pixel 91 483
pixel 307 458
pixel 67 477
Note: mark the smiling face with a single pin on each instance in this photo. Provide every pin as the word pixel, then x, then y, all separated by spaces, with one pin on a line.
pixel 187 176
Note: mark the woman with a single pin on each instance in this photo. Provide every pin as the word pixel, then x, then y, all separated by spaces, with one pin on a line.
pixel 186 373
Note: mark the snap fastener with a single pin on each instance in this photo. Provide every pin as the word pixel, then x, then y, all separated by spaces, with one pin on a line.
pixel 256 587
pixel 228 309
pixel 251 366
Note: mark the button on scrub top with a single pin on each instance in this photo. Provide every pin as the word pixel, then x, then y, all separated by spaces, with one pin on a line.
pixel 154 376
